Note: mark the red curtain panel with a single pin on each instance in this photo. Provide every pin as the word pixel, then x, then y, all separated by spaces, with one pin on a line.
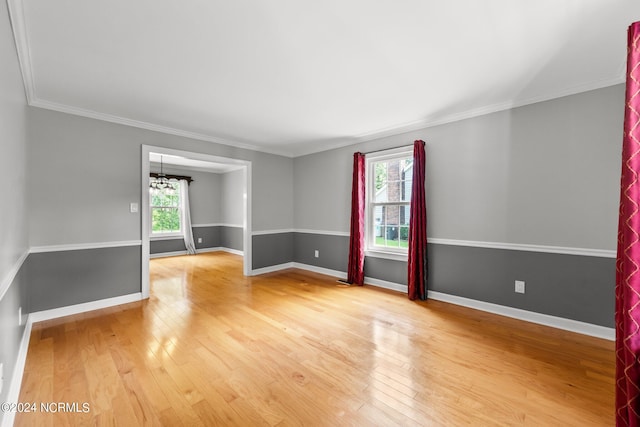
pixel 417 263
pixel 628 257
pixel 355 272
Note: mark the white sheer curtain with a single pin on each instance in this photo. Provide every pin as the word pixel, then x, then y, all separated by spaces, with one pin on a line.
pixel 186 220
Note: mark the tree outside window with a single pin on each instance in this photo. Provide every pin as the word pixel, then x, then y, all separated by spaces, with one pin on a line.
pixel 165 210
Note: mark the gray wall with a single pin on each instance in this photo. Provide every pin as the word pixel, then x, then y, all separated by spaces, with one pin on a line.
pixel 204 202
pixel 204 194
pixel 96 166
pixel 543 174
pixel 231 207
pixel 214 199
pixel 13 216
pixel 97 169
pixel 569 286
pixel 272 249
pixel 63 278
pixel 212 237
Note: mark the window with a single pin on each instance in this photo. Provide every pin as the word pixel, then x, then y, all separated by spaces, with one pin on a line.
pixel 166 211
pixel 389 176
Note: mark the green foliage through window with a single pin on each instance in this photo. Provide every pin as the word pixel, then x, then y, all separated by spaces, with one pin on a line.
pixel 165 211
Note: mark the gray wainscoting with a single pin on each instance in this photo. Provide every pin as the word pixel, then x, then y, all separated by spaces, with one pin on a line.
pixel 167 245
pixel 213 236
pixel 59 279
pixel 210 235
pixel 333 250
pixel 272 249
pixel 569 286
pixel 16 296
pixel 231 237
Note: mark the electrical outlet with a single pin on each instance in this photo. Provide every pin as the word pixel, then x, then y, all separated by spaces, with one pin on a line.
pixel 317 253
pixel 520 286
pixel 20 316
pixel 199 239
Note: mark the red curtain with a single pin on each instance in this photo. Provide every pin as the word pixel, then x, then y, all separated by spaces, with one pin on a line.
pixel 628 258
pixel 355 272
pixel 417 278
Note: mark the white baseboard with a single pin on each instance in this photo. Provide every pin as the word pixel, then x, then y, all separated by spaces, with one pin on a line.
pixel 339 274
pixel 199 251
pixel 167 254
pixel 271 269
pixel 54 313
pixel 221 249
pixel 18 372
pixel 386 285
pixel 516 313
pixel 529 316
pixel 16 380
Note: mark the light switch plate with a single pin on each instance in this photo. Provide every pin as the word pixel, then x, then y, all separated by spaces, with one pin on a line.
pixel 133 207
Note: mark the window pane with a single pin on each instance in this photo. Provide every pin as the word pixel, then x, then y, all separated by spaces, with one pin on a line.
pixel 404 237
pixel 392 180
pixel 380 181
pixel 406 177
pixel 378 221
pixel 391 185
pixel 392 215
pixel 165 220
pixel 404 215
pixel 391 226
pixel 165 210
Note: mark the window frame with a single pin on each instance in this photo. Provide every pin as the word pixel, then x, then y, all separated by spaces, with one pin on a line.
pixel 399 254
pixel 166 235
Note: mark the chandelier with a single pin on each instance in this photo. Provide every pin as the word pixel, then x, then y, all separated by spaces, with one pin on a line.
pixel 161 182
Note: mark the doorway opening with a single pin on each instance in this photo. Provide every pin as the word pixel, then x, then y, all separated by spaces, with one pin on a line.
pixel 199 162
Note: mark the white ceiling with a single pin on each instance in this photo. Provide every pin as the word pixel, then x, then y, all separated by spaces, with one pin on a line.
pixel 300 76
pixel 169 160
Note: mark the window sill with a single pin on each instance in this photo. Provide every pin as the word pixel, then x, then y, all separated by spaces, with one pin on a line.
pixel 172 236
pixel 396 256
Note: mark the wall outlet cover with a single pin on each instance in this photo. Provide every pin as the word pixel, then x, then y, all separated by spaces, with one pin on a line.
pixel 519 287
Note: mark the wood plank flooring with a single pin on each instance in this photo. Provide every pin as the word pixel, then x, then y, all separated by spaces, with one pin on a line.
pixel 211 347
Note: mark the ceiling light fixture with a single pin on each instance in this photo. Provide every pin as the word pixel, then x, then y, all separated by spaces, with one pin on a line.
pixel 160 181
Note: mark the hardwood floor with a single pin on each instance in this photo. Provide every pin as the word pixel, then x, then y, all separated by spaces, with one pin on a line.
pixel 211 347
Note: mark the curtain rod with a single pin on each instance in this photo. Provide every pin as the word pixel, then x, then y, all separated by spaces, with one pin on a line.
pixel 387 149
pixel 178 177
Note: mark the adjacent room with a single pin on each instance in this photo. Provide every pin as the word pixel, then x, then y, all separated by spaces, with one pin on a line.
pixel 303 213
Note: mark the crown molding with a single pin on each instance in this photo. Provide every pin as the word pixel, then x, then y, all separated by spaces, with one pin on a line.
pixel 16 15
pixel 83 112
pixel 426 123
